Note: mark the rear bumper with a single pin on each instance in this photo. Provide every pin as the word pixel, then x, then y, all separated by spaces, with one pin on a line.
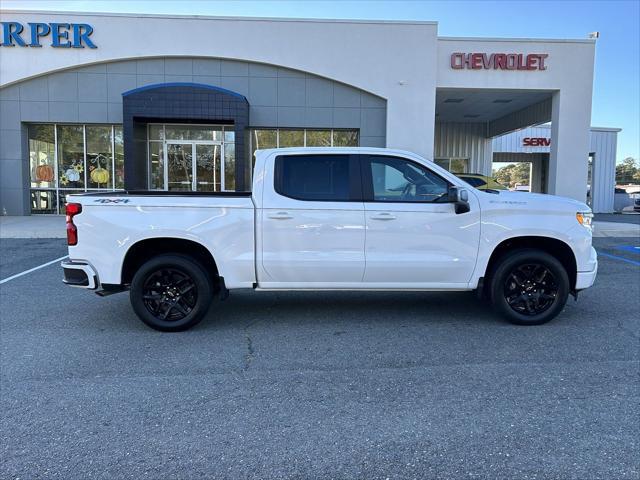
pixel 78 274
pixel 586 279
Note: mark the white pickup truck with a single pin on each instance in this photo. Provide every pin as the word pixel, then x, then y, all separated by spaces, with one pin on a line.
pixel 331 219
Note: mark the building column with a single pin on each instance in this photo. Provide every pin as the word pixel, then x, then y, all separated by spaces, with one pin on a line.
pixel 570 121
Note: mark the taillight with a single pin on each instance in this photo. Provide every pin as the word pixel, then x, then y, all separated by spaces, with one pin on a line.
pixel 72 232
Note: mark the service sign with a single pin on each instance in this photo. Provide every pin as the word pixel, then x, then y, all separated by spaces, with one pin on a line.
pixel 536 142
pixel 498 61
pixel 56 35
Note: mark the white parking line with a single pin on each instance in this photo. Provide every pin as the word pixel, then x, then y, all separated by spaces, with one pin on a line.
pixel 13 277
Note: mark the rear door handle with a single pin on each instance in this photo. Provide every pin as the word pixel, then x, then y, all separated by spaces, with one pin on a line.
pixel 383 216
pixel 280 216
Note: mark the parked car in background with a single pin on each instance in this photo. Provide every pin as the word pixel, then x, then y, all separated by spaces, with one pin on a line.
pixel 303 227
pixel 521 188
pixel 481 182
pixel 636 205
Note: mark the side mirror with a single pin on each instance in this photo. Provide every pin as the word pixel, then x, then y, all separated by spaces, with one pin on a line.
pixel 460 198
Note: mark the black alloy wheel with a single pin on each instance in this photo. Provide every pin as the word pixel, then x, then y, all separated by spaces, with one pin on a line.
pixel 171 292
pixel 529 287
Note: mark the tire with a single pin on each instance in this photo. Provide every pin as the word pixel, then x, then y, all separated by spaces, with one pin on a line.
pixel 529 287
pixel 171 293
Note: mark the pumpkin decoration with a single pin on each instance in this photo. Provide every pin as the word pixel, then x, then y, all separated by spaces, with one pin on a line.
pixel 44 173
pixel 100 175
pixel 72 175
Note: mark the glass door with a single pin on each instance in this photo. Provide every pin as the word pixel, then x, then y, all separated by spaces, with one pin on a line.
pixel 205 174
pixel 179 166
pixel 209 175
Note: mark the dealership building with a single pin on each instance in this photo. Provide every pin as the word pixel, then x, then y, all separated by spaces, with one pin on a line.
pixel 93 102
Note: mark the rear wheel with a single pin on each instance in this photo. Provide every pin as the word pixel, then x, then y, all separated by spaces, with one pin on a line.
pixel 529 287
pixel 171 293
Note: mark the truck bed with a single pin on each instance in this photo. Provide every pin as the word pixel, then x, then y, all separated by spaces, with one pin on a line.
pixel 112 222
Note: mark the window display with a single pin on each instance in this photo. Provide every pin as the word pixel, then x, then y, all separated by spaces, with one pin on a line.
pixel 66 159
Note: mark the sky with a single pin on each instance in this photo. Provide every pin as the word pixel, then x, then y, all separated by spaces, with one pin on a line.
pixel 616 96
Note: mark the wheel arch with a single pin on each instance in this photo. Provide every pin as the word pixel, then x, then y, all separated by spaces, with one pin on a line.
pixel 145 249
pixel 559 249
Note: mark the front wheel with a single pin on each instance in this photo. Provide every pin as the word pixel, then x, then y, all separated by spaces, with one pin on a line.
pixel 529 287
pixel 171 293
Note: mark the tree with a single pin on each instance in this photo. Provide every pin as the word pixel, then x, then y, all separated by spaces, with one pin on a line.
pixel 514 173
pixel 628 171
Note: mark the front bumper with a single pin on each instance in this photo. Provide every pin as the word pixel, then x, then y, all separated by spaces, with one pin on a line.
pixel 587 279
pixel 79 274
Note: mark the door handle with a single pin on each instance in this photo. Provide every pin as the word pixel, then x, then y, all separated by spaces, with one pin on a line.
pixel 383 216
pixel 280 216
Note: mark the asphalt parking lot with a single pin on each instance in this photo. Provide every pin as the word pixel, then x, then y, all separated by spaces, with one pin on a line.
pixel 318 385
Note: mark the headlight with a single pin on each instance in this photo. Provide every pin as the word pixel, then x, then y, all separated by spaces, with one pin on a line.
pixel 585 219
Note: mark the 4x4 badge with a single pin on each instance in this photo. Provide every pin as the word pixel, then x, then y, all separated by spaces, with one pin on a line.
pixel 111 200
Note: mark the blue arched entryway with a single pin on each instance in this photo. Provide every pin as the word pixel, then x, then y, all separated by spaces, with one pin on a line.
pixel 188 103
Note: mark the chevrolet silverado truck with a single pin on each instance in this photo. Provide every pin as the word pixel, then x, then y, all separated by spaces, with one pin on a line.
pixel 331 219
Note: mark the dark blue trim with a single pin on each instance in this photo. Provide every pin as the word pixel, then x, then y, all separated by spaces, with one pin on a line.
pixel 184 84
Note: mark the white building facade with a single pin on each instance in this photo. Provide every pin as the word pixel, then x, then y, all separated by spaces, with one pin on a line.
pixel 102 101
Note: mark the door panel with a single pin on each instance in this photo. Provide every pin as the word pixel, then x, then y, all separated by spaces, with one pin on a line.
pixel 180 166
pixel 208 168
pixel 318 243
pixel 422 243
pixel 412 237
pixel 317 240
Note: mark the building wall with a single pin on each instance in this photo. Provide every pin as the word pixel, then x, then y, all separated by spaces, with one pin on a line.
pixel 464 140
pixel 371 55
pixel 568 75
pixel 278 97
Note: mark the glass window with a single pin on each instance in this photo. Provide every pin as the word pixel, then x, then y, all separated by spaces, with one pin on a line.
pixel 99 156
pixel 70 156
pixel 313 177
pixel 42 156
pixel 230 167
pixel 118 141
pixel 442 162
pixel 454 165
pixel 44 201
pixel 263 139
pixel 229 135
pixel 156 163
pixel 291 138
pixel 458 165
pixel 193 132
pixel 318 138
pixel 345 138
pixel 399 180
pixel 156 132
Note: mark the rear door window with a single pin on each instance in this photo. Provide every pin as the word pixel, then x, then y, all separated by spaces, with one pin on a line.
pixel 333 178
